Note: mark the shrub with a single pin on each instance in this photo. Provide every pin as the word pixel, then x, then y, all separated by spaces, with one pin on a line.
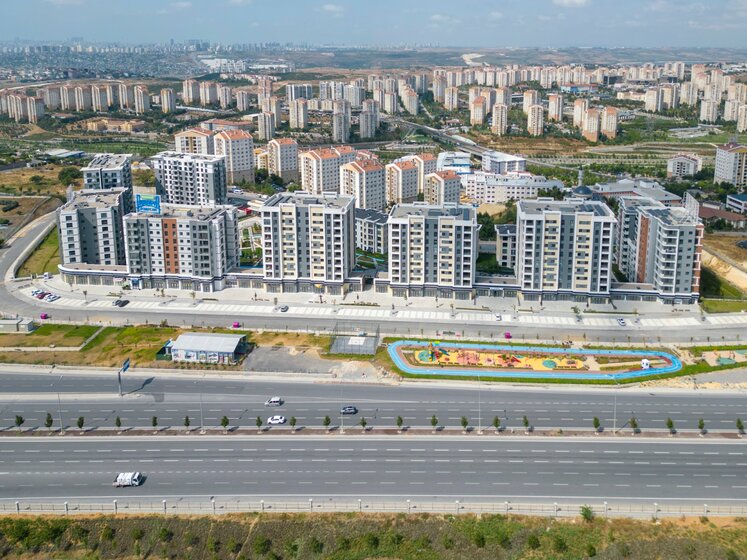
pixel 447 542
pixel 479 540
pixel 165 535
pixel 191 539
pixel 591 550
pixel 137 534
pixel 107 533
pixel 624 550
pixel 533 542
pixel 371 541
pixel 261 545
pixel 212 545
pixel 559 544
pixel 315 545
pixel 587 514
pixel 343 543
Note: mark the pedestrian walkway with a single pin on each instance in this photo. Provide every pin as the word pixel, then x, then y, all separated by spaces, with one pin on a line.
pixel 672 322
pixel 740 319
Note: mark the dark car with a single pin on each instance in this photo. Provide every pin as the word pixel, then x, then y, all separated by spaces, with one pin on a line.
pixel 348 410
pixel 123 302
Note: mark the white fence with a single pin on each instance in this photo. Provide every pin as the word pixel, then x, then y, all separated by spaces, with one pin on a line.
pixel 560 509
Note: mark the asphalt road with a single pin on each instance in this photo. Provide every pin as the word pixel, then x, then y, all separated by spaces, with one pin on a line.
pixel 171 398
pixel 491 469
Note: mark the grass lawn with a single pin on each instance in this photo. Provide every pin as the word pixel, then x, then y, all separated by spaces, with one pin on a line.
pixel 713 285
pixel 723 306
pixel 347 536
pixel 45 258
pixel 59 335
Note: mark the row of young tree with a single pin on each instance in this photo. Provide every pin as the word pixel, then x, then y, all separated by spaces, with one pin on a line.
pixel 363 423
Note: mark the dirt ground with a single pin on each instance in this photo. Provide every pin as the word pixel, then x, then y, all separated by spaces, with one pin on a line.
pixel 727 245
pixel 26 206
pixel 20 180
pixel 492 209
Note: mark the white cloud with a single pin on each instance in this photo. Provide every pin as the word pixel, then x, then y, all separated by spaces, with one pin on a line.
pixel 333 8
pixel 64 2
pixel 571 3
pixel 441 19
pixel 495 15
pixel 240 2
pixel 183 5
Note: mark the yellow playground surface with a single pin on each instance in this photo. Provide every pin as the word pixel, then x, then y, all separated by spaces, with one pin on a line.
pixel 489 359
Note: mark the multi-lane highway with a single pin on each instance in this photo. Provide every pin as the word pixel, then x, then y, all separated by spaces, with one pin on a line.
pixel 436 468
pixel 171 398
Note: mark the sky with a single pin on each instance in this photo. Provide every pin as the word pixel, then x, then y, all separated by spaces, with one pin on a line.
pixel 478 23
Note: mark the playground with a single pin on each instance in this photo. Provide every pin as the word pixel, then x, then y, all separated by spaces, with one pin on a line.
pixel 509 361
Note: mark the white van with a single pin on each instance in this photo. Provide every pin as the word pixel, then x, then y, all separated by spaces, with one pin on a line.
pixel 128 479
pixel 274 401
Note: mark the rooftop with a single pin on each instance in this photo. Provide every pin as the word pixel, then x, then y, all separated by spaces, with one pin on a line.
pixel 210 342
pixel 234 134
pixel 371 215
pixel 432 211
pixel 505 229
pixel 304 198
pixel 734 148
pixel 108 161
pixel 569 206
pixel 187 157
pixel 94 199
pixel 183 211
pixel 672 216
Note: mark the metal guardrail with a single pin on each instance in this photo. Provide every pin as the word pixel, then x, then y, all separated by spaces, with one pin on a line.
pixel 559 509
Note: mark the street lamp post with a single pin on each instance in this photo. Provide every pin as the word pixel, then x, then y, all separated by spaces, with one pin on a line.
pixel 479 404
pixel 59 403
pixel 614 406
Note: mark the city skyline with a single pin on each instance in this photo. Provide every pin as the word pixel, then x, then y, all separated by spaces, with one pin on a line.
pixel 474 23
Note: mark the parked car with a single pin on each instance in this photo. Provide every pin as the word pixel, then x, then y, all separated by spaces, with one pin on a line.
pixel 128 479
pixel 44 316
pixel 236 325
pixel 52 297
pixel 275 420
pixel 507 335
pixel 349 409
pixel 283 308
pixel 36 292
pixel 42 295
pixel 123 302
pixel 115 303
pixel 498 317
pixel 621 322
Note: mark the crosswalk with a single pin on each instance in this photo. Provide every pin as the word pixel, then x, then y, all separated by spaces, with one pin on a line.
pixel 740 319
pixel 545 320
pixel 671 322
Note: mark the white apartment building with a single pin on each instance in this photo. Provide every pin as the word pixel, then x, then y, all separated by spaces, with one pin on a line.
pixel 531 98
pixel 371 231
pixel 489 188
pixel 99 98
pixel 731 165
pixel 536 120
pixel 90 228
pixel 439 89
pixel 195 141
pixel 580 107
pixel 208 93
pixel 590 131
pixel 283 157
pixel 660 247
pixel 308 242
pixel 243 101
pixel 365 181
pixel 451 99
pixel 503 96
pixel 501 163
pixel 742 119
pixel 225 96
pixel 500 119
pixel 684 165
pixel 320 169
pixel 192 179
pixel 410 100
pixel 432 251
pixel 190 91
pixel 555 107
pixel 168 100
pixel 237 147
pixel 83 100
pixel 341 121
pixel 126 96
pixel 709 111
pixel 108 171
pixel 367 124
pixel 299 113
pixel 298 91
pixel 401 182
pixel 266 126
pixel 272 105
pixel 653 101
pixel 390 104
pixel 142 100
pixel 564 249
pixel 609 121
pixel 442 187
pixel 478 111
pixel 184 247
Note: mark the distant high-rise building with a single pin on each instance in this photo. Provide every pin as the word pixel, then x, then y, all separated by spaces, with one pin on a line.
pixel 266 126
pixel 451 99
pixel 320 169
pixel 742 119
pixel 731 165
pixel 99 98
pixel 168 100
pixel 126 96
pixel 439 89
pixel 653 100
pixel 208 93
pixel 503 96
pixel 401 182
pixel 190 92
pixel 108 171
pixel 243 101
pixel 442 187
pixel 590 131
pixel 142 100
pixel 580 106
pixel 299 113
pixel 364 180
pixel 190 178
pixel 478 111
pixel 237 147
pixel 531 98
pixel 282 157
pixel 225 96
pixel 83 100
pixel 195 141
pixel 536 120
pixel 609 122
pixel 500 119
pixel 555 107
pixel 341 121
pixel 708 111
pixel 298 91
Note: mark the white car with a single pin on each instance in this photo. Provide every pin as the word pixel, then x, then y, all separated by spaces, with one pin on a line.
pixel 276 420
pixel 51 297
pixel 274 401
pixel 128 479
pixel 498 317
pixel 621 322
pixel 36 292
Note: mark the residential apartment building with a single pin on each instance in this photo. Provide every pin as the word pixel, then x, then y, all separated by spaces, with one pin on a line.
pixel 590 131
pixel 341 121
pixel 371 232
pixel 683 165
pixel 225 96
pixel 283 157
pixel 653 101
pixel 737 203
pixel 208 93
pixel 195 141
pixel 501 163
pixel 731 165
pixel 365 181
pixel 451 99
pixel 427 163
pixel 580 107
pixel 536 121
pixel 237 148
pixel 401 182
pixel 299 113
pixel 90 228
pixel 488 188
pixel 243 101
pixel 709 111
pixel 266 126
pixel 184 247
pixel 564 249
pixel 505 245
pixel 442 187
pixel 609 121
pixel 108 171
pixel 432 250
pixel 308 242
pixel 500 119
pixel 168 100
pixel 190 91
pixel 660 247
pixel 531 98
pixel 478 111
pixel 192 179
pixel 320 169
pixel 555 107
pixel 142 99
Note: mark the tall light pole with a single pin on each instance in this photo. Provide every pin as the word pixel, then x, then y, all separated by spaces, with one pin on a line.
pixel 614 408
pixel 479 404
pixel 59 402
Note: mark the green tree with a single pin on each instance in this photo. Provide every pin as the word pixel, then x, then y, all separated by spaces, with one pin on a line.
pixel 670 425
pixel 465 423
pixel 118 422
pixel 81 422
pixel 587 513
pixel 496 423
pixel 144 177
pixel 258 422
pixel 400 421
pixel 740 426
pixel 187 422
pixel 363 423
pixel 292 423
pixel 224 423
pixel 434 422
pixel 19 421
pixel 634 424
pixel 69 174
pixel 326 422
pixel 48 421
pixel 525 421
pixel 36 179
pixel 596 424
pixel 154 421
pixel 701 425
